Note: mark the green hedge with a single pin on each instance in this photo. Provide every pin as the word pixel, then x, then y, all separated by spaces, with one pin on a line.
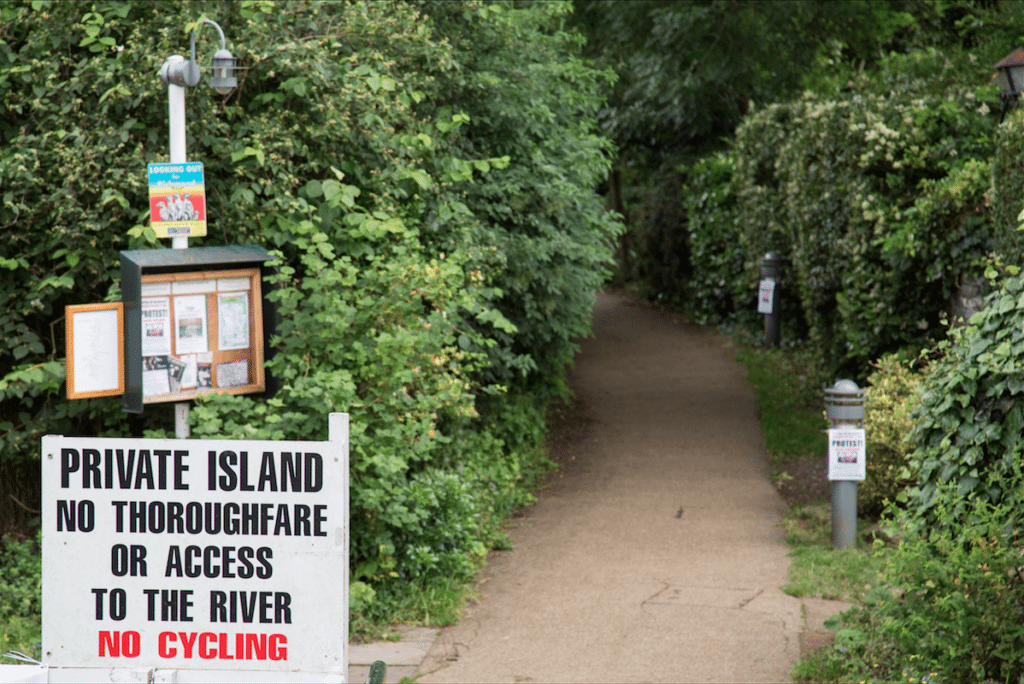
pixel 877 203
pixel 425 175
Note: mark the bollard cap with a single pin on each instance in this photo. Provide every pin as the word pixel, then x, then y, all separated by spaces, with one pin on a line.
pixel 844 401
pixel 771 265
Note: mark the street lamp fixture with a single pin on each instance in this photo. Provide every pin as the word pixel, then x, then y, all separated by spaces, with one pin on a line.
pixel 187 74
pixel 1010 78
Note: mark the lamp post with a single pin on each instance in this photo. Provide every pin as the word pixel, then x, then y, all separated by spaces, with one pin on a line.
pixel 178 73
pixel 1010 79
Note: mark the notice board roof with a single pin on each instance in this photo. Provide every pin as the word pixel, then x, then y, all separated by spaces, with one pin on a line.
pixel 200 257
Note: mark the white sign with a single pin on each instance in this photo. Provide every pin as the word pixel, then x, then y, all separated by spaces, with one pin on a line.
pixel 223 556
pixel 847 454
pixel 765 296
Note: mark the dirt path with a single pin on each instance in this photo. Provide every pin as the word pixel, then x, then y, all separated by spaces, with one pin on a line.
pixel 655 555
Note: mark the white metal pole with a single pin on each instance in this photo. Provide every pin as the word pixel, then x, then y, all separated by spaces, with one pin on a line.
pixel 176 117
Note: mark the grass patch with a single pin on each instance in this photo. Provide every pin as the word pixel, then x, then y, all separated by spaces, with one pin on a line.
pixel 788 386
pixel 817 570
pixel 23 634
pixel 824 572
pixel 437 602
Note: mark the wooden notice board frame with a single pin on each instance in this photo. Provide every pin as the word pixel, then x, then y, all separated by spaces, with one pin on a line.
pixel 94 348
pixel 217 366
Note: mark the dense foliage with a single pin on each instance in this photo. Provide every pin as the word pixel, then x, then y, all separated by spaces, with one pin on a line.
pixel 20 588
pixel 971 420
pixel 893 392
pixel 690 70
pixel 951 611
pixel 876 203
pixel 424 174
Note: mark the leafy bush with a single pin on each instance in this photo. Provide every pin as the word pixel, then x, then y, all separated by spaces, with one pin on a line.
pixel 21 578
pixel 891 398
pixel 1008 187
pixel 954 611
pixel 971 420
pixel 873 195
pixel 713 291
pixel 433 271
pixel 661 253
pixel 878 201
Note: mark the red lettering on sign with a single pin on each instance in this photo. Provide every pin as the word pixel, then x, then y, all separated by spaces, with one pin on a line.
pixel 162 648
pixel 277 647
pixel 204 645
pixel 120 644
pixel 211 645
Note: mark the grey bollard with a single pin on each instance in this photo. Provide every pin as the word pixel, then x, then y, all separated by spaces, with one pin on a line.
pixel 844 407
pixel 771 269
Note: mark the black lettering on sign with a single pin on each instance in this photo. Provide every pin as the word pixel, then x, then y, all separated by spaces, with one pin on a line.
pixel 118 603
pixel 210 517
pixel 212 562
pixel 126 560
pixel 76 517
pixel 174 604
pixel 296 472
pixel 120 469
pixel 273 607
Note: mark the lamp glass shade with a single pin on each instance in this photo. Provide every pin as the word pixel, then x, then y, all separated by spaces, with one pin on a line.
pixel 1010 72
pixel 223 79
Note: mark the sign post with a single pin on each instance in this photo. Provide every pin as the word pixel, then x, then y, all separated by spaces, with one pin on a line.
pixel 196 560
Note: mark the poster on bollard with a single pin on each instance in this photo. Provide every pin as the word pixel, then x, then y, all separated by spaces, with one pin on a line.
pixel 223 557
pixel 847 454
pixel 766 296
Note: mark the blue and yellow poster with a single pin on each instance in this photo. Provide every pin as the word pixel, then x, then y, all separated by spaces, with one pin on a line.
pixel 177 200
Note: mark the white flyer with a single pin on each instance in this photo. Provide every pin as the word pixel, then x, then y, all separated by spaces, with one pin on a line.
pixel 155 377
pixel 190 325
pixel 156 326
pixel 233 321
pixel 847 454
pixel 188 376
pixel 233 373
pixel 766 296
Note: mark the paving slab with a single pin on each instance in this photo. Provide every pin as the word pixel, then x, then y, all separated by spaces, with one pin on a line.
pixel 403 657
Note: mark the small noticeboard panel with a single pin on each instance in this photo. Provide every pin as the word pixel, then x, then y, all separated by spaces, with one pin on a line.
pixel 95 350
pixel 847 454
pixel 177 199
pixel 209 555
pixel 766 296
pixel 194 323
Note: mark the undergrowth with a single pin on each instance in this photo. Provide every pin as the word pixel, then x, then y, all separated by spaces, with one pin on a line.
pixel 20 583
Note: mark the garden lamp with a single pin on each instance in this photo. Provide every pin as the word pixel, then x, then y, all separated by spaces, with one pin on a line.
pixel 1010 78
pixel 187 73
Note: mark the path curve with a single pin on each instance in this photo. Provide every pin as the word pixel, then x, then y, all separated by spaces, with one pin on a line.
pixel 656 554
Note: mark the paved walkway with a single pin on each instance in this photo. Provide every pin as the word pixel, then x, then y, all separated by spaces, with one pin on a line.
pixel 656 555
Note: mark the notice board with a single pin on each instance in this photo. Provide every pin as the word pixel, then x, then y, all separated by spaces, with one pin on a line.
pixel 201 331
pixel 225 559
pixel 195 323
